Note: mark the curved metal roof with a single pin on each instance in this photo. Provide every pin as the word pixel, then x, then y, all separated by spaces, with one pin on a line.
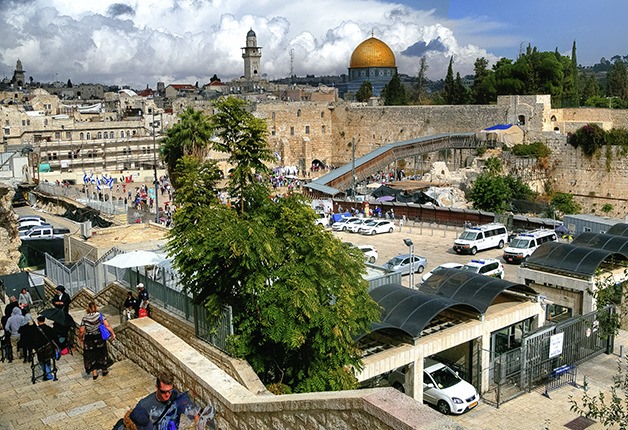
pixel 475 290
pixel 411 311
pixel 607 242
pixel 571 259
pixel 620 229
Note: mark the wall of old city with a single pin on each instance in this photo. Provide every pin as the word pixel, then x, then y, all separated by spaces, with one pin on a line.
pixel 298 132
pixel 372 127
pixel 9 240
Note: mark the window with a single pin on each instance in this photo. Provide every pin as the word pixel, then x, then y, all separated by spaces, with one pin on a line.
pixel 291 131
pixel 298 113
pixel 68 135
pixel 99 135
pixel 89 135
pixel 272 131
pixel 522 120
pixel 7 131
pixel 57 135
pixel 272 115
pixel 323 114
pixel 307 129
pixel 323 129
pixel 106 135
pixel 81 135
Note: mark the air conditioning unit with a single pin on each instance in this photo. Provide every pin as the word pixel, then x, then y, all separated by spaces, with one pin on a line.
pixel 86 229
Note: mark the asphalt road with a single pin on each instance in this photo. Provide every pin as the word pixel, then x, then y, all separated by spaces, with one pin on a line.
pixel 55 220
pixel 433 243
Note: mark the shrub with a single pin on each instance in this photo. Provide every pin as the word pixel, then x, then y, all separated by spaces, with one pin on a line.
pixel 534 150
pixel 588 138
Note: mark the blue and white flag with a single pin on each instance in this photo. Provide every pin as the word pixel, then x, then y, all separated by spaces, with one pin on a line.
pixel 98 184
pixel 110 182
pixel 85 178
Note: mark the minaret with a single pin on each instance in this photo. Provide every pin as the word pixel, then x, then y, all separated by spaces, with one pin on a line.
pixel 18 75
pixel 251 54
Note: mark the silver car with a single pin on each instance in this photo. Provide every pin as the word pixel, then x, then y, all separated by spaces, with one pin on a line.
pixel 401 264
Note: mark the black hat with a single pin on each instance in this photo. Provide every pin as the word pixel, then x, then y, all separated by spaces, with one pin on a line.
pixel 41 318
pixel 60 288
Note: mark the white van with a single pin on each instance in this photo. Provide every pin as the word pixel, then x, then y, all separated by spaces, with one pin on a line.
pixel 521 247
pixel 481 237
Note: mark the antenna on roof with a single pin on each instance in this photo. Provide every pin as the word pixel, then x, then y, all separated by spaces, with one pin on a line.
pixel 372 32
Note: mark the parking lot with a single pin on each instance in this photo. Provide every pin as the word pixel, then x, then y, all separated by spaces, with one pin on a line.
pixel 432 242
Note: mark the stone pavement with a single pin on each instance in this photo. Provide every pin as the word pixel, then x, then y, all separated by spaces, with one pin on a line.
pixel 75 401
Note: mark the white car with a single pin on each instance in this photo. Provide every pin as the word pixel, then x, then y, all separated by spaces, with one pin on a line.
pixel 342 224
pixel 486 266
pixel 442 387
pixel 439 269
pixel 355 226
pixel 321 220
pixel 370 253
pixel 375 227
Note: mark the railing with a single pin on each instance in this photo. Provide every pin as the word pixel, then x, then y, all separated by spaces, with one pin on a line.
pixel 112 206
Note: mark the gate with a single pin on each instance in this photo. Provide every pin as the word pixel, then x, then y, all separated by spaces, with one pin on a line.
pixel 522 369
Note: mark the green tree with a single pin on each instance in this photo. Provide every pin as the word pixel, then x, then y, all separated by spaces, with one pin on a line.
pixel 394 93
pixel 590 88
pixel 239 134
pixel 617 80
pixel 519 189
pixel 490 193
pixel 565 203
pixel 461 93
pixel 421 82
pixel 449 88
pixel 483 89
pixel 297 293
pixel 191 135
pixel 365 92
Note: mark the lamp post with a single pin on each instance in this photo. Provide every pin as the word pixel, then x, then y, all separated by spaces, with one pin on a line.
pixel 353 167
pixel 155 171
pixel 410 246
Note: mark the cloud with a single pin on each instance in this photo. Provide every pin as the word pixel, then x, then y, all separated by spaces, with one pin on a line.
pixel 177 41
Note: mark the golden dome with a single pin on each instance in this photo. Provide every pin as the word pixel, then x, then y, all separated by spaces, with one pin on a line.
pixel 372 53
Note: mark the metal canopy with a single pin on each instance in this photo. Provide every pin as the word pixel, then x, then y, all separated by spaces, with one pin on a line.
pixel 411 311
pixel 607 242
pixel 473 289
pixel 620 229
pixel 570 259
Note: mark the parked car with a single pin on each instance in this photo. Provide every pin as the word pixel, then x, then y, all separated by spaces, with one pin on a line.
pixel 342 224
pixel 370 253
pixel 27 226
pixel 401 264
pixel 442 387
pixel 377 226
pixel 44 233
pixel 24 225
pixel 486 266
pixel 321 220
pixel 440 268
pixel 355 226
pixel 24 218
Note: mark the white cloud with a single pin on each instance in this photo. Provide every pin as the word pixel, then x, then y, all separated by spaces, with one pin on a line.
pixel 142 41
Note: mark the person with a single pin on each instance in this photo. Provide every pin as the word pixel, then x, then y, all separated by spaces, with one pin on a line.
pixel 22 344
pixel 131 304
pixel 44 342
pixel 143 299
pixel 163 409
pixel 8 310
pixel 12 327
pixel 61 300
pixel 95 354
pixel 25 301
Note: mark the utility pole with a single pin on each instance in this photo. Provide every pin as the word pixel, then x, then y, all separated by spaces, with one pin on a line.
pixel 155 171
pixel 353 167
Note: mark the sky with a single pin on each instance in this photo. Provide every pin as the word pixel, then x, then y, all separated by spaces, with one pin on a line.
pixel 141 42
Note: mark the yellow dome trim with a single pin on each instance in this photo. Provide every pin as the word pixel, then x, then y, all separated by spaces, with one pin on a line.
pixel 372 53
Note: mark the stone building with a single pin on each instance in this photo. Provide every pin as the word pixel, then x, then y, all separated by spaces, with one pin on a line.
pixel 252 55
pixel 19 76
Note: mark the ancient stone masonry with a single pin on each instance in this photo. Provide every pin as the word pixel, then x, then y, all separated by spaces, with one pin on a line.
pixel 9 238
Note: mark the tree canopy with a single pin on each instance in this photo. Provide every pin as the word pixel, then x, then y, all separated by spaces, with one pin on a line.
pixel 297 293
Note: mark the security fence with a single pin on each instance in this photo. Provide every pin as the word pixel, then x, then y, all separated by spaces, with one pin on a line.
pixel 541 355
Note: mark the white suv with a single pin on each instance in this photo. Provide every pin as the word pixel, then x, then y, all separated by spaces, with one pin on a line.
pixel 486 266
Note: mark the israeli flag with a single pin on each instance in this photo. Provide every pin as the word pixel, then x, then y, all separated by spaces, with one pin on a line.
pixel 98 184
pixel 110 182
pixel 85 178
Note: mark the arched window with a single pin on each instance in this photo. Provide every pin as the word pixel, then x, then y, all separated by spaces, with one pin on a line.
pixel 81 136
pixel 89 135
pixel 298 112
pixel 272 115
pixel 553 118
pixel 522 120
pixel 106 135
pixel 323 114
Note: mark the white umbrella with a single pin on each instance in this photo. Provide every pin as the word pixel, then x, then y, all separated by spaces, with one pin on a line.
pixel 135 259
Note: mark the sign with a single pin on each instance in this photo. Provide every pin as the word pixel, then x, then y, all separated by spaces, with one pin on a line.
pixel 556 345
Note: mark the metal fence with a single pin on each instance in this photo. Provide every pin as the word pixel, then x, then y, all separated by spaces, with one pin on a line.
pixel 531 365
pixel 89 196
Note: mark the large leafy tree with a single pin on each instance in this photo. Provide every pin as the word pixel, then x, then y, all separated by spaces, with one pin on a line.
pixel 483 89
pixel 617 80
pixel 297 293
pixel 449 94
pixel 191 135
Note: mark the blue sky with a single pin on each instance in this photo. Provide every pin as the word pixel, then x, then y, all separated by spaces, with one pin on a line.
pixel 140 42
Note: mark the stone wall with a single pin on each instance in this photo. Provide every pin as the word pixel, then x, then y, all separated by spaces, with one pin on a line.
pixel 9 238
pixel 155 348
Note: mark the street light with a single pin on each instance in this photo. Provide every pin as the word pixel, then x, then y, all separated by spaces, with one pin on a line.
pixel 410 246
pixel 155 171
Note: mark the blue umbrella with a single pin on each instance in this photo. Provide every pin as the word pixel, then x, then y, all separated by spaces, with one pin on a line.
pixel 385 199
